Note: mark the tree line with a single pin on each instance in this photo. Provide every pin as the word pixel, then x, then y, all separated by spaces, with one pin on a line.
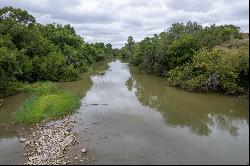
pixel 195 58
pixel 31 52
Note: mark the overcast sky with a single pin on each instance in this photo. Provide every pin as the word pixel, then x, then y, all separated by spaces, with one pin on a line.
pixel 112 21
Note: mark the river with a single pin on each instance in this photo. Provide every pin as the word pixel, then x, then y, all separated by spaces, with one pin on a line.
pixel 133 118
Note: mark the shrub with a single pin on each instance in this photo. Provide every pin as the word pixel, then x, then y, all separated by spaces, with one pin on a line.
pixel 219 69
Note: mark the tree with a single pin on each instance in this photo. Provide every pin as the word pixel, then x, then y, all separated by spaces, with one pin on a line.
pixel 130 44
pixel 18 15
pixel 31 52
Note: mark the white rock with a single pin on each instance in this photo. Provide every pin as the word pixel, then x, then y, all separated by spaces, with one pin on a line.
pixel 22 139
pixel 84 150
pixel 27 142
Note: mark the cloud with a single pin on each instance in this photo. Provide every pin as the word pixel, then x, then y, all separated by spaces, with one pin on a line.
pixel 191 5
pixel 112 21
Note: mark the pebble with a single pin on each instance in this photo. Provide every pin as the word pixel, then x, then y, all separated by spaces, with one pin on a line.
pixel 49 143
pixel 27 142
pixel 84 150
pixel 22 139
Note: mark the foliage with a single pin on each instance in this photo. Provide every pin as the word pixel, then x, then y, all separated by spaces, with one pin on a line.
pixel 17 15
pixel 8 69
pixel 220 69
pixel 174 53
pixel 31 52
pixel 181 51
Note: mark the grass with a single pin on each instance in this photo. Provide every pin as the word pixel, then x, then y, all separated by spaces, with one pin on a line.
pixel 47 102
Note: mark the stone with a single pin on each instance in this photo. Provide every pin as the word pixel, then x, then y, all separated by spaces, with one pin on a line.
pixel 27 143
pixel 48 145
pixel 84 150
pixel 22 139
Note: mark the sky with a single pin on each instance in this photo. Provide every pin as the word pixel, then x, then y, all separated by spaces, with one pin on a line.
pixel 112 21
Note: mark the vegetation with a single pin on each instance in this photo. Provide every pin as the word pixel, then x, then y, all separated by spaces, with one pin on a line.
pixel 218 69
pixel 196 58
pixel 47 102
pixel 31 52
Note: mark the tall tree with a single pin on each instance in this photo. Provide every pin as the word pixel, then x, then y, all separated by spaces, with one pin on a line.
pixel 18 15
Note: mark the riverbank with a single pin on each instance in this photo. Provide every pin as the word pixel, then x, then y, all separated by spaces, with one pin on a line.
pixel 63 97
pixel 14 103
pixel 183 79
pixel 46 143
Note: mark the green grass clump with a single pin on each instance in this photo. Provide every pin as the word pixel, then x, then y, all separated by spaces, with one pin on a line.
pixel 42 88
pixel 47 102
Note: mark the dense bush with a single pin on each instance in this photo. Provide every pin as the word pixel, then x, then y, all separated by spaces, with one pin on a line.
pixel 181 51
pixel 9 68
pixel 220 69
pixel 30 51
pixel 213 58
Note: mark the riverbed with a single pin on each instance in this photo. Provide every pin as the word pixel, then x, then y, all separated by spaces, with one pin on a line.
pixel 127 117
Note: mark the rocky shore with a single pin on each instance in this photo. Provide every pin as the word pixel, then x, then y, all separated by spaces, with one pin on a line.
pixel 47 143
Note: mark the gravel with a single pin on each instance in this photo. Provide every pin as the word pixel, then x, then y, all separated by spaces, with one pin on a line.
pixel 48 143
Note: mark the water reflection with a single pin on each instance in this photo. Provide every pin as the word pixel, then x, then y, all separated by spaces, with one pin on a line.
pixel 9 106
pixel 201 113
pixel 11 103
pixel 142 116
pixel 81 86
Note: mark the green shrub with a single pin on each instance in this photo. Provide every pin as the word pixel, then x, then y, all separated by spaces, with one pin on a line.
pixel 9 68
pixel 220 69
pixel 181 51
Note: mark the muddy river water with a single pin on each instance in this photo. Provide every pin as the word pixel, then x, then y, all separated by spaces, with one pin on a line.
pixel 134 118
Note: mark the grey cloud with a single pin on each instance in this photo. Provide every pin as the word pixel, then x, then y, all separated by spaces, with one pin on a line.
pixel 191 5
pixel 111 21
pixel 84 18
